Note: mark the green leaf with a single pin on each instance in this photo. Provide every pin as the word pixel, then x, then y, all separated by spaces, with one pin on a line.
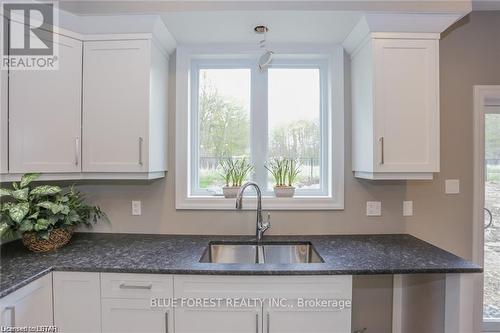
pixel 42 224
pixel 44 234
pixel 18 211
pixel 28 178
pixel 25 226
pixel 64 209
pixel 5 192
pixel 45 190
pixel 21 194
pixel 3 228
pixel 46 204
pixel 15 185
pixel 33 216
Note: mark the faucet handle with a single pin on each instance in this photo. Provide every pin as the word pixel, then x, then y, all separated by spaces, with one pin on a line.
pixel 268 221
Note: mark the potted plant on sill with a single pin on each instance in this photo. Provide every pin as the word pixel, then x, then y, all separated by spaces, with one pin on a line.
pixel 234 173
pixel 284 171
pixel 44 216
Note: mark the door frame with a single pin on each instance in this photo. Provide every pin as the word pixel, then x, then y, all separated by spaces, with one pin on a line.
pixel 481 95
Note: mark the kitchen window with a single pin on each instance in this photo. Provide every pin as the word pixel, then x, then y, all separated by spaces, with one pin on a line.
pixel 235 110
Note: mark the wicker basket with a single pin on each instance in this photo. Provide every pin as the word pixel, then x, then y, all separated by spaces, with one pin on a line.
pixel 58 238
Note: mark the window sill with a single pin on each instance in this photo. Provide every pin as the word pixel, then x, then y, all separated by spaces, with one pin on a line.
pixel 268 203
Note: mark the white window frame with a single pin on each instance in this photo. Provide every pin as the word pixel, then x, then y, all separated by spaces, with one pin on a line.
pixel 246 55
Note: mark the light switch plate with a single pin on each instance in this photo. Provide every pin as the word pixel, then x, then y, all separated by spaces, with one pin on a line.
pixel 373 208
pixel 452 186
pixel 136 208
pixel 407 208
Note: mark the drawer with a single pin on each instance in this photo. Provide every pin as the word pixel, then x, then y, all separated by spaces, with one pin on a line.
pixel 118 285
pixel 335 286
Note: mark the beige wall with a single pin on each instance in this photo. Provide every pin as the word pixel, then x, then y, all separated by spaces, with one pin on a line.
pixel 160 216
pixel 470 55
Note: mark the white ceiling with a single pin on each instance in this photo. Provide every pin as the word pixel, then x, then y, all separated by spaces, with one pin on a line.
pixel 237 26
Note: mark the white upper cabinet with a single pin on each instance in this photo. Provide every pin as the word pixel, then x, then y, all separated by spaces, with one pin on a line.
pixel 124 106
pixel 395 94
pixel 45 115
pixel 101 115
pixel 395 116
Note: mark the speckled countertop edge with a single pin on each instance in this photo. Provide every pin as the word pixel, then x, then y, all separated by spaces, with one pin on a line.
pixel 180 254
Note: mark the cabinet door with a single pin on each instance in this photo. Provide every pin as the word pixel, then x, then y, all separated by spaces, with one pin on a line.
pixel 77 303
pixel 115 106
pixel 406 105
pixel 45 114
pixel 28 306
pixel 134 315
pixel 299 320
pixel 218 320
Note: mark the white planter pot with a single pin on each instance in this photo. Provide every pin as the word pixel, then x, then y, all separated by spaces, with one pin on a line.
pixel 284 191
pixel 230 191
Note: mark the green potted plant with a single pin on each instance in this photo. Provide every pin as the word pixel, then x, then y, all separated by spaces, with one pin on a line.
pixel 44 216
pixel 284 171
pixel 234 173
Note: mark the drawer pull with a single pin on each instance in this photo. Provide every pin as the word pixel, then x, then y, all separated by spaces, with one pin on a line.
pixel 140 150
pixel 133 286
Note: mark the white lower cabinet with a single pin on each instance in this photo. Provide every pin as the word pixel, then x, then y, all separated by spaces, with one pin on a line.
pixel 284 304
pixel 122 303
pixel 77 302
pixel 29 306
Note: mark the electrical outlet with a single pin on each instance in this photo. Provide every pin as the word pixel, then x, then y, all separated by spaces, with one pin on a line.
pixel 452 186
pixel 373 208
pixel 407 208
pixel 136 208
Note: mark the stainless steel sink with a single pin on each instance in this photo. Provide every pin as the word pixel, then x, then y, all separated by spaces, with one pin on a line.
pixel 261 253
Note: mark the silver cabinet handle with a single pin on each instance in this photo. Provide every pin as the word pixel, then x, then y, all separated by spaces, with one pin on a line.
pixel 140 150
pixel 132 286
pixel 382 157
pixel 268 324
pixel 77 150
pixel 166 322
pixel 12 310
pixel 257 322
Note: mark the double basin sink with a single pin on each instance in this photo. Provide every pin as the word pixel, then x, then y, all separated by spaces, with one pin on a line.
pixel 260 253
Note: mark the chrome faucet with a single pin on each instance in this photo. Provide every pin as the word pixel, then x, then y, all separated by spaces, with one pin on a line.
pixel 261 226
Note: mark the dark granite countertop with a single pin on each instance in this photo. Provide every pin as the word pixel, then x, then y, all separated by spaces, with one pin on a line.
pixel 180 254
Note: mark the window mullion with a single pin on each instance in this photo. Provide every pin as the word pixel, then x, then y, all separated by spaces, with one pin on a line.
pixel 259 126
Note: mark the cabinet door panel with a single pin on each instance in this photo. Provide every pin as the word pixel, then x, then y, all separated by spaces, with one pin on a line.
pixel 77 303
pixel 407 106
pixel 134 315
pixel 115 106
pixel 294 320
pixel 218 320
pixel 45 114
pixel 28 306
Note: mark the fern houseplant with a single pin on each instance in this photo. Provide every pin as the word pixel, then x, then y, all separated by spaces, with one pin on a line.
pixel 234 173
pixel 284 172
pixel 44 216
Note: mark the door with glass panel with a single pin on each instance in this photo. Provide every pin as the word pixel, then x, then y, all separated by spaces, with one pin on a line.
pixel 491 290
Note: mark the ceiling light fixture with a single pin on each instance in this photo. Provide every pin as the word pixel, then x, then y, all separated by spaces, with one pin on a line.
pixel 267 57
